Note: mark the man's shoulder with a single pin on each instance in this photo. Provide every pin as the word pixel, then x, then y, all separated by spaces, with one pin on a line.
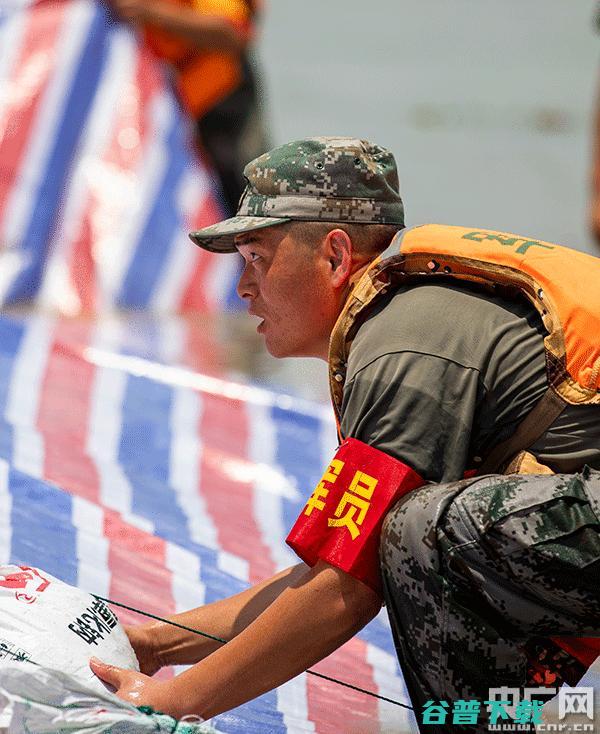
pixel 450 320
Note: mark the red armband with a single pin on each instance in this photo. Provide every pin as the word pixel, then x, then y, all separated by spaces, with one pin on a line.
pixel 341 523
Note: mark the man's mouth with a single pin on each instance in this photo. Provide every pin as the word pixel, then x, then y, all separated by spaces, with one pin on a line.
pixel 251 312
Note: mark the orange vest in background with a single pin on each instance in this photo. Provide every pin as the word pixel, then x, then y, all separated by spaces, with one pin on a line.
pixel 203 78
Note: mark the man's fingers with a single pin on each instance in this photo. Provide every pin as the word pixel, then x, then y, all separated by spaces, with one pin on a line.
pixel 108 673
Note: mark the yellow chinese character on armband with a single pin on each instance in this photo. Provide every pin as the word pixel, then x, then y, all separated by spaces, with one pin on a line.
pixel 356 503
pixel 317 499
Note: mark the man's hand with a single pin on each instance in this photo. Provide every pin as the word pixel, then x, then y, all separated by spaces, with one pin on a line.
pixel 137 688
pixel 276 629
pixel 143 639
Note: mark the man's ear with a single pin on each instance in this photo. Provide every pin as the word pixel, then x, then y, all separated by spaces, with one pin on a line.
pixel 338 251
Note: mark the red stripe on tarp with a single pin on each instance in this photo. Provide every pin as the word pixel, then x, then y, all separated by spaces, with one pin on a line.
pixel 194 296
pixel 227 492
pixel 64 410
pixel 353 712
pixel 139 576
pixel 32 69
pixel 203 351
pixel 83 270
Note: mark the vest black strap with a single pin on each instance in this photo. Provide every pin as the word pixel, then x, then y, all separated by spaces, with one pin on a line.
pixel 535 423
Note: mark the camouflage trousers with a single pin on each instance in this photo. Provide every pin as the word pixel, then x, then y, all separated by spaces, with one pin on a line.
pixel 479 573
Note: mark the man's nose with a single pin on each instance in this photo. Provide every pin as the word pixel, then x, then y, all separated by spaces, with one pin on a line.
pixel 246 287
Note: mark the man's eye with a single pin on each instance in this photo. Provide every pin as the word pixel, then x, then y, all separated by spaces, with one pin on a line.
pixel 253 256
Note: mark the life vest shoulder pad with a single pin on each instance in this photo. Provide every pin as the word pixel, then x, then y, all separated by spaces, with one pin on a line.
pixel 563 284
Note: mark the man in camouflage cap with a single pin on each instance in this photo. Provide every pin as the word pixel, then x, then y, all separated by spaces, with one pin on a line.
pixel 438 374
pixel 319 179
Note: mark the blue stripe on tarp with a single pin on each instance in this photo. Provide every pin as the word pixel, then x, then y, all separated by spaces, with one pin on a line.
pixel 298 453
pixel 164 224
pixel 145 436
pixel 141 338
pixel 11 334
pixel 49 197
pixel 378 634
pixel 144 453
pixel 219 585
pixel 255 717
pixel 232 301
pixel 43 534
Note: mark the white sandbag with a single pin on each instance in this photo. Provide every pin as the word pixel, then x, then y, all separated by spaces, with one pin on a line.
pixel 48 701
pixel 58 626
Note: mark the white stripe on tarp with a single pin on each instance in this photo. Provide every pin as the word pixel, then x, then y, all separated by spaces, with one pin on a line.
pixel 115 253
pixel 105 423
pixel 269 486
pixel 91 175
pixel 188 591
pixel 93 574
pixel 186 587
pixel 12 33
pixel 24 393
pixel 223 273
pixel 172 339
pixel 104 438
pixel 292 702
pixel 175 273
pixel 235 566
pixel 5 514
pixel 389 684
pixel 70 43
pixel 11 264
pixel 181 377
pixel 328 439
pixel 184 466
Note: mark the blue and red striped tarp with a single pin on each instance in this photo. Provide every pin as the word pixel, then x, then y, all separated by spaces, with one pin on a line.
pixel 163 488
pixel 129 465
pixel 99 180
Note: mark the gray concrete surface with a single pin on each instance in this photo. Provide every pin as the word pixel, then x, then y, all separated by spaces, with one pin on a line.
pixel 486 104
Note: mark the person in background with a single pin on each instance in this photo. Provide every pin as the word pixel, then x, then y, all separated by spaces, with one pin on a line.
pixel 207 44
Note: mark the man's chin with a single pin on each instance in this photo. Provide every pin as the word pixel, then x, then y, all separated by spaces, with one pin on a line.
pixel 279 348
pixel 281 351
pixel 275 348
pixel 276 351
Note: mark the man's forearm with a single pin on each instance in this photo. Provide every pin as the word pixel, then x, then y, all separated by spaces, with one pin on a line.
pixel 224 619
pixel 306 622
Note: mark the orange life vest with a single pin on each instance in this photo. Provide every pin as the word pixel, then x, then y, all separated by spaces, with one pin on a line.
pixel 203 78
pixel 563 285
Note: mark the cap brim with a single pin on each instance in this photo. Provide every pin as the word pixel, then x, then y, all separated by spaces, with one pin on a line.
pixel 220 237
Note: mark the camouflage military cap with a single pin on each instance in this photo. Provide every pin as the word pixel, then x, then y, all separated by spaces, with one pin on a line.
pixel 330 179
